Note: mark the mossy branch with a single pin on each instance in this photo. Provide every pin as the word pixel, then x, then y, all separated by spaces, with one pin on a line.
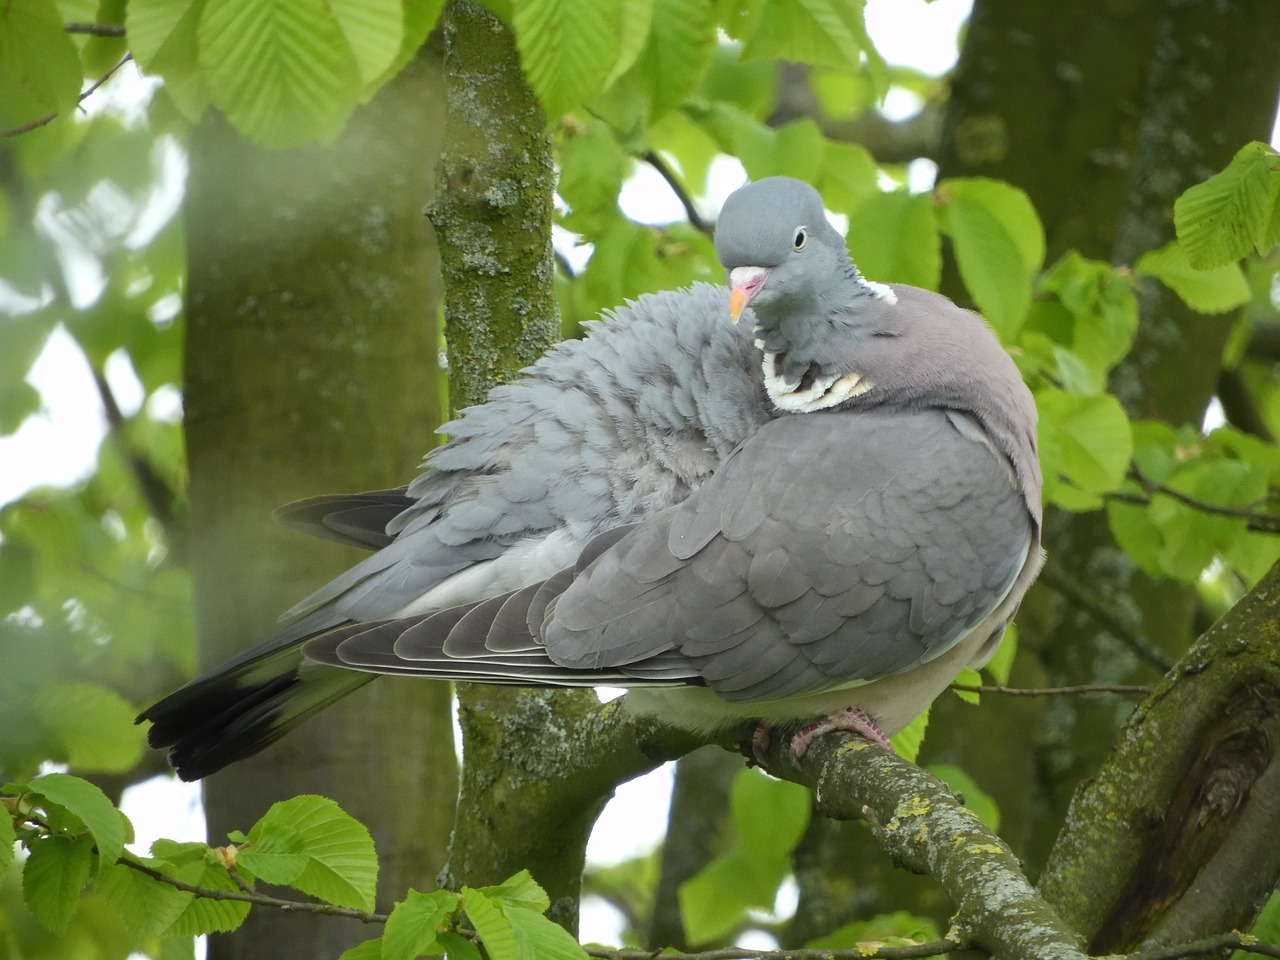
pixel 927 830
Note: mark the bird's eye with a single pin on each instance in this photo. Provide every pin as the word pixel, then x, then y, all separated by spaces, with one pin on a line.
pixel 802 237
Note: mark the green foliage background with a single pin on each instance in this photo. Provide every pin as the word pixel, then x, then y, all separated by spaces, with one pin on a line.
pixel 94 594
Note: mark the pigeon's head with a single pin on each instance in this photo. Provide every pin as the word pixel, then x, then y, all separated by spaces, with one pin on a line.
pixel 781 253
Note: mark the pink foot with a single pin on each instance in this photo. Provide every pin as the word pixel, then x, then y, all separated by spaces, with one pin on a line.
pixel 851 719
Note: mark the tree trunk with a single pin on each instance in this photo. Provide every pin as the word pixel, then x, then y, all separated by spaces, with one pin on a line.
pixel 1174 839
pixel 310 368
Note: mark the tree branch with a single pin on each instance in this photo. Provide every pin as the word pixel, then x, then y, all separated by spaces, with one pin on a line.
pixel 160 497
pixel 682 194
pixel 935 948
pixel 889 141
pixel 259 899
pixel 1258 522
pixel 922 826
pixel 1210 945
pixel 49 118
pixel 1172 838
pixel 96 29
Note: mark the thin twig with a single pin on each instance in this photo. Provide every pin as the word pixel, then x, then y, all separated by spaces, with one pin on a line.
pixel 1065 586
pixel 934 948
pixel 1131 688
pixel 1259 522
pixel 160 497
pixel 49 118
pixel 260 899
pixel 1209 945
pixel 686 200
pixel 96 29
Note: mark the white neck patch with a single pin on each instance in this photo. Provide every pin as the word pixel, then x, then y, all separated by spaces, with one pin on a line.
pixel 881 291
pixel 822 392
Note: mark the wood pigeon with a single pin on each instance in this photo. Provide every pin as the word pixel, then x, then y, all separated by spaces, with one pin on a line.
pixel 815 517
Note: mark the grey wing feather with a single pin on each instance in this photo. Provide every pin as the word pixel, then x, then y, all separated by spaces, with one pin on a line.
pixel 834 548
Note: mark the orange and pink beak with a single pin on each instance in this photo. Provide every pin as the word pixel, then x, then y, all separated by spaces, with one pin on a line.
pixel 744 284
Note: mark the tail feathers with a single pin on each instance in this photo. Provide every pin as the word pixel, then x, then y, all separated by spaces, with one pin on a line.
pixel 489 641
pixel 214 721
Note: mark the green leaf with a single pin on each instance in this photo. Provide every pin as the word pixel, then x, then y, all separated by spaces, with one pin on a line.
pixel 567 48
pixel 8 837
pixel 17 402
pixel 147 906
pixel 90 806
pixel 1001 663
pixel 342 866
pixel 1136 535
pixel 681 41
pixel 1215 290
pixel 893 238
pixel 634 20
pixel 281 70
pixel 278 857
pixel 369 950
pixel 770 815
pixel 539 938
pixel 975 798
pixel 201 916
pixel 1085 445
pixel 40 69
pixel 906 742
pixel 458 947
pixel 521 890
pixel 420 17
pixel 897 929
pixel 828 33
pixel 714 900
pixel 413 925
pixel 164 38
pixel 968 677
pixel 53 876
pixel 374 30
pixel 1091 311
pixel 1193 538
pixel 92 726
pixel 1011 207
pixel 1220 220
pixel 592 168
pixel 999 246
pixel 796 149
pixel 849 176
pixel 491 925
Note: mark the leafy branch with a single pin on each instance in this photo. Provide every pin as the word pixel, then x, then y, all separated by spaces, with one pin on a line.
pixel 246 895
pixel 1255 520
